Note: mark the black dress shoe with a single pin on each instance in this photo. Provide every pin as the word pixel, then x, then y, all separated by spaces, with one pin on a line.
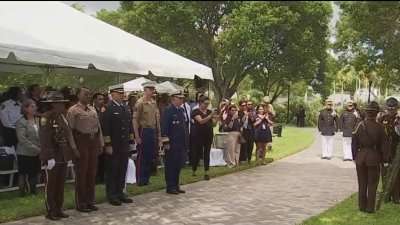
pixel 362 210
pixel 181 191
pixel 93 208
pixel 115 202
pixel 52 217
pixel 172 192
pixel 396 201
pixel 62 215
pixel 328 158
pixel 125 200
pixel 83 209
pixel 323 157
pixel 206 177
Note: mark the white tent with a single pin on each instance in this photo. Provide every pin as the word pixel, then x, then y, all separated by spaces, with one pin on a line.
pixel 51 37
pixel 135 85
pixel 168 87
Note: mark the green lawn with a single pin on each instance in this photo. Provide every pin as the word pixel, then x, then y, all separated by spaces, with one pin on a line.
pixel 347 213
pixel 13 207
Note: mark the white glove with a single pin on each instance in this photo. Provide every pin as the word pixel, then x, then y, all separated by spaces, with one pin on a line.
pixel 385 164
pixel 50 164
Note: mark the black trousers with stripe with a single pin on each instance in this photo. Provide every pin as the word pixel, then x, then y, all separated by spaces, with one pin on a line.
pixel 54 189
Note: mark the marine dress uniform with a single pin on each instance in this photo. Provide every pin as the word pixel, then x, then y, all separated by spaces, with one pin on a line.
pixel 118 133
pixel 147 118
pixel 327 126
pixel 348 122
pixel 174 133
pixel 369 147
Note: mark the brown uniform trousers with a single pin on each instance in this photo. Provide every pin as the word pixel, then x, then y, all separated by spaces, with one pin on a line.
pixel 388 122
pixel 88 138
pixel 85 169
pixel 369 148
pixel 56 139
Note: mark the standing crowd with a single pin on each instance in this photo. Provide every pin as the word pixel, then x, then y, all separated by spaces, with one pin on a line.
pixel 99 133
pixel 370 139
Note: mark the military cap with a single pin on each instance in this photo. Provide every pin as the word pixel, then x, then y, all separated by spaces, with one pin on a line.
pixel 54 97
pixel 178 94
pixel 150 84
pixel 373 106
pixel 119 88
pixel 392 102
pixel 350 102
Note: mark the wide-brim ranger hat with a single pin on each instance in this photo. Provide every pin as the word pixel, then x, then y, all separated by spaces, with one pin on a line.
pixel 177 94
pixel 54 97
pixel 373 107
pixel 392 102
pixel 118 88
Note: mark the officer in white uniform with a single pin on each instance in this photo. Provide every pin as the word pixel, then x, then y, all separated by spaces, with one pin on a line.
pixel 10 112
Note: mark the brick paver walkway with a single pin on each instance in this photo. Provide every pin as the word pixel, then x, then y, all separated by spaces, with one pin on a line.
pixel 284 192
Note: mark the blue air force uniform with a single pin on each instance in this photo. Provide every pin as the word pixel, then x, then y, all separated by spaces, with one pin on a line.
pixel 175 134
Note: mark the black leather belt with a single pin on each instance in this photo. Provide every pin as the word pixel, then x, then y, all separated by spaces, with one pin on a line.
pixel 78 134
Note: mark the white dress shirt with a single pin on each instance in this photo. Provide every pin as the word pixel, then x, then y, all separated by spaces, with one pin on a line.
pixel 10 112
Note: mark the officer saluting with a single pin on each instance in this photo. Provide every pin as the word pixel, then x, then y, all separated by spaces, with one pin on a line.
pixel 174 137
pixel 390 121
pixel 117 130
pixel 348 122
pixel 58 145
pixel 369 148
pixel 327 126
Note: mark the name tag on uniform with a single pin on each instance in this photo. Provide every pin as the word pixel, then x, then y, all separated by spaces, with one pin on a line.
pixel 264 127
pixel 116 113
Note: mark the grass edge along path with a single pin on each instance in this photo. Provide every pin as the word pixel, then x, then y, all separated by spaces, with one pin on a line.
pixel 347 213
pixel 12 207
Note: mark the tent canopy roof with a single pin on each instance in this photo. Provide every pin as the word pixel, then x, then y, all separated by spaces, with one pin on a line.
pixel 37 36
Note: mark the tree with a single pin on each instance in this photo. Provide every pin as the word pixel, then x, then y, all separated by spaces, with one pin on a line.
pixel 368 38
pixel 230 37
pixel 110 17
pixel 78 6
pixel 286 41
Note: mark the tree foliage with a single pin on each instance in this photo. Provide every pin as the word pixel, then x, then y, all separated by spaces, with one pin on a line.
pixel 237 39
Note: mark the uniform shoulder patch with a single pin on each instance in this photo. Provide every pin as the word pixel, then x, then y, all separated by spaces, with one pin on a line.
pixel 2 107
pixel 43 121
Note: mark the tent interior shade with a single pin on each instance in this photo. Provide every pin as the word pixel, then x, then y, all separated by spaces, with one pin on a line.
pixel 37 36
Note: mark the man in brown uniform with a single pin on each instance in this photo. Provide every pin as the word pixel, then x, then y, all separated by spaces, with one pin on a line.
pixel 146 124
pixel 85 125
pixel 369 148
pixel 58 146
pixel 389 122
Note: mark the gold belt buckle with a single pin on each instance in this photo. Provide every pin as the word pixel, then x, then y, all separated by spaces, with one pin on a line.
pixel 91 136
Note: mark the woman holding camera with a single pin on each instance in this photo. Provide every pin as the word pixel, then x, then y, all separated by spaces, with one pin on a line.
pixel 205 120
pixel 233 125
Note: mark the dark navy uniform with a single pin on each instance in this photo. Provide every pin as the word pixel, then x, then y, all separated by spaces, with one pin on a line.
pixel 174 130
pixel 117 130
pixel 327 126
pixel 348 122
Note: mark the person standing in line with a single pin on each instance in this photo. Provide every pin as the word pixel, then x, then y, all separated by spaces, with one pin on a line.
pixel 146 124
pixel 389 121
pixel 28 149
pixel 233 125
pixel 327 126
pixel 34 93
pixel 174 138
pixel 263 134
pixel 205 121
pixel 243 115
pixel 10 112
pixel 98 104
pixel 347 123
pixel 58 146
pixel 369 149
pixel 85 125
pixel 117 130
